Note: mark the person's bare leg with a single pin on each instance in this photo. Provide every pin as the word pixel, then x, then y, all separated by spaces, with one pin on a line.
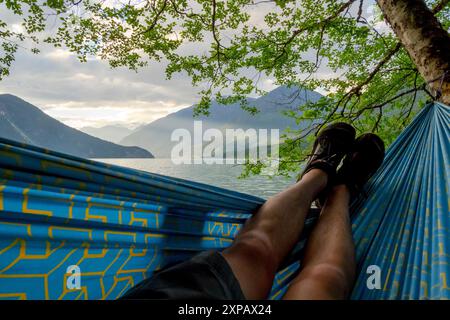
pixel 328 267
pixel 270 235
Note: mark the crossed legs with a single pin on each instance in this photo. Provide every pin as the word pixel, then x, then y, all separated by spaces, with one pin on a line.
pixel 270 235
pixel 328 268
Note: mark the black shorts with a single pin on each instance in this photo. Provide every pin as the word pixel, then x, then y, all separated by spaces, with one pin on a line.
pixel 205 276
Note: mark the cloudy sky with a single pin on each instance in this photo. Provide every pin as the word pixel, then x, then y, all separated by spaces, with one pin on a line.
pixel 93 94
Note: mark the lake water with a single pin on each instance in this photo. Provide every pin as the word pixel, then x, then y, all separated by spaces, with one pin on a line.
pixel 225 176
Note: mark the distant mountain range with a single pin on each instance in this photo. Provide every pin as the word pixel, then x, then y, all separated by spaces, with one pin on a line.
pixel 112 133
pixel 23 122
pixel 156 136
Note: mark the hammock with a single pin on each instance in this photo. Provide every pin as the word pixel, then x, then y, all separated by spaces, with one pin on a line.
pixel 120 225
pixel 404 225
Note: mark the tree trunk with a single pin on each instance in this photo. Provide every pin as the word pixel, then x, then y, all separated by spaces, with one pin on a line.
pixel 423 37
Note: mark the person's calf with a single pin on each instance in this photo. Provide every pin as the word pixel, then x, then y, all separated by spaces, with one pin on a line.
pixel 254 261
pixel 323 281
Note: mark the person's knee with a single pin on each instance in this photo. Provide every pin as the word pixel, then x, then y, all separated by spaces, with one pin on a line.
pixel 257 248
pixel 329 279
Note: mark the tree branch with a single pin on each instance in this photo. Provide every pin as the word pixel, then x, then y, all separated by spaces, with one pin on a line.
pixel 381 105
pixel 155 21
pixel 190 14
pixel 440 6
pixel 357 89
pixel 213 25
pixel 322 23
pixel 390 54
pixel 360 10
pixel 413 102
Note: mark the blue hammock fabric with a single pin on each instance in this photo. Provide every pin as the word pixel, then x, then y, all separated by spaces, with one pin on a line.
pixel 120 225
pixel 403 226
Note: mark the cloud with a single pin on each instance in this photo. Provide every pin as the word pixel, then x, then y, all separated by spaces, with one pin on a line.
pixel 92 93
pixel 109 114
pixel 59 54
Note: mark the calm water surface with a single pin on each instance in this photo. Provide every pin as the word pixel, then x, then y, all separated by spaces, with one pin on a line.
pixel 225 176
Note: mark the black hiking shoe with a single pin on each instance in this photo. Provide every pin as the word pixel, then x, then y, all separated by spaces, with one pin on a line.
pixel 331 145
pixel 361 163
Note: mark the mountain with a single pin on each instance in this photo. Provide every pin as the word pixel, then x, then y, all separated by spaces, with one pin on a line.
pixel 23 122
pixel 156 136
pixel 113 133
